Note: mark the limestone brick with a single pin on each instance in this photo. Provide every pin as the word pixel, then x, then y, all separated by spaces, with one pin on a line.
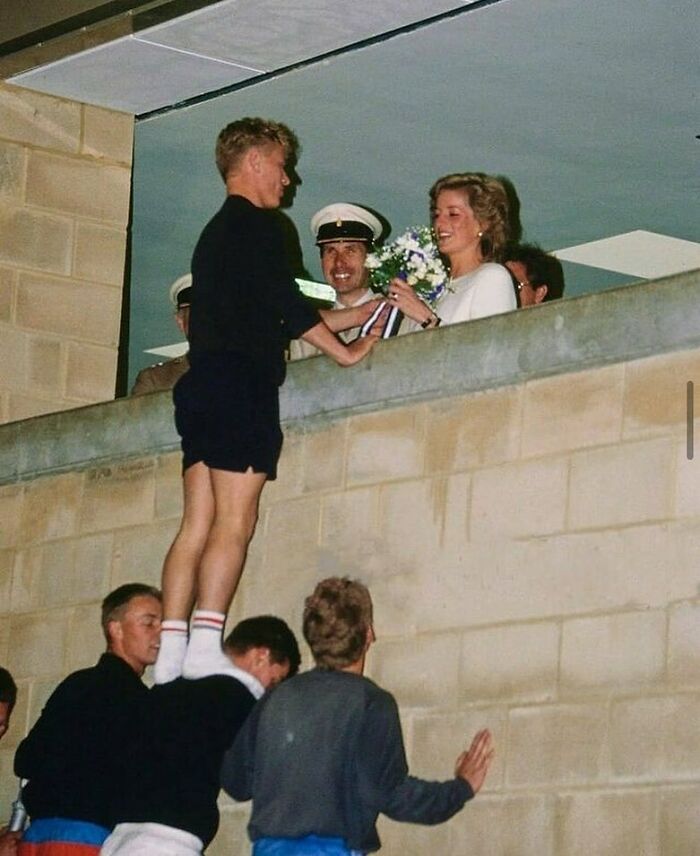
pixel 517 662
pixel 11 171
pixel 11 498
pixel 139 553
pixel 350 520
pixel 519 499
pixel 85 639
pixel 117 496
pixel 572 411
pixel 4 636
pixel 684 644
pixel 449 508
pixel 481 430
pixel 386 446
pixel 557 745
pixel 396 610
pixel 54 585
pixel 409 839
pixel 35 240
pixel 621 484
pixel 26 569
pixel 288 564
pixel 289 472
pixel 439 739
pixel 607 824
pixel 7 560
pixel 614 652
pixel 99 253
pixel 324 458
pixel 69 308
pixel 40 120
pixel 44 364
pixel 512 826
pixel 38 644
pixel 13 353
pixel 25 406
pixel 169 486
pixel 79 187
pixel 295 525
pixel 85 575
pixel 680 830
pixel 51 508
pixel 107 134
pixel 569 574
pixel 423 672
pixel 414 518
pixel 687 480
pixel 655 738
pixel 7 294
pixel 62 573
pixel 655 392
pixel 91 372
pixel 93 563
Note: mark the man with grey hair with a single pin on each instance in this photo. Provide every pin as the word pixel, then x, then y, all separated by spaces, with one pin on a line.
pixel 323 755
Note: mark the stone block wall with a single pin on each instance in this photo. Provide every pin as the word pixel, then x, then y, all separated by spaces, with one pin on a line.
pixel 65 180
pixel 532 553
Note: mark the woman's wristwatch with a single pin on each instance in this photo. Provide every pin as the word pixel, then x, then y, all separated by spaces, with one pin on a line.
pixel 434 321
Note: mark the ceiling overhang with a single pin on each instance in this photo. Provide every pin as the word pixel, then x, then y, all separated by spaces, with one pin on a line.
pixel 144 57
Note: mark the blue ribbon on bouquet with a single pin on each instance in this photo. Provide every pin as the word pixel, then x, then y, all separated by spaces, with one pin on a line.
pixel 393 322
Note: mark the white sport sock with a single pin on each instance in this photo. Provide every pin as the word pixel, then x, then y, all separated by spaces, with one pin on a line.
pixel 204 655
pixel 173 645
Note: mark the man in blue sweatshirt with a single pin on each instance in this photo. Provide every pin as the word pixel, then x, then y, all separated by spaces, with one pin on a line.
pixel 323 755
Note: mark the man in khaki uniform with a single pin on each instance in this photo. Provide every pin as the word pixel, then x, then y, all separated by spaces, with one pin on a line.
pixel 344 234
pixel 165 375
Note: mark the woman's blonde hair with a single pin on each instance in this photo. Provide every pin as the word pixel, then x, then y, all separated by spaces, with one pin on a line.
pixel 488 200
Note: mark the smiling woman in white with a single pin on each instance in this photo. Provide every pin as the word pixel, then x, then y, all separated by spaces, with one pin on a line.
pixel 470 220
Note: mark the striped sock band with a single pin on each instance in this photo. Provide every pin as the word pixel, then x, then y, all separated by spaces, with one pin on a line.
pixel 205 619
pixel 174 626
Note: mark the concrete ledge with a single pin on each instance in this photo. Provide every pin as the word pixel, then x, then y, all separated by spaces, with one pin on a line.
pixel 594 330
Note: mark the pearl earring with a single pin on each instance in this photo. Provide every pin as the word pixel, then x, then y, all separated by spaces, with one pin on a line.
pixel 479 234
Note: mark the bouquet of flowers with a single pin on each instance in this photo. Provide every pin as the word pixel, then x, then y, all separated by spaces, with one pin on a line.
pixel 414 258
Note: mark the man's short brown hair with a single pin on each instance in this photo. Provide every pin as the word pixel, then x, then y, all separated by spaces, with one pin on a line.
pixel 115 604
pixel 266 631
pixel 239 136
pixel 337 617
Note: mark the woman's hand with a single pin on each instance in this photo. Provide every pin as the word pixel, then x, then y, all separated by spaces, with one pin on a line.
pixel 402 295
